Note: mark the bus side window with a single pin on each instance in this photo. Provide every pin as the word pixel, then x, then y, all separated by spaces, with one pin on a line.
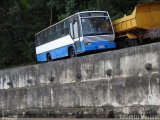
pixel 71 30
pixel 53 31
pixel 58 31
pixel 43 37
pixel 66 27
pixel 63 32
pixel 48 35
pixel 38 39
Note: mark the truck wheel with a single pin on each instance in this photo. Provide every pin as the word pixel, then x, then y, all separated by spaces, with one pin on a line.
pixel 71 52
pixel 128 43
pixel 135 42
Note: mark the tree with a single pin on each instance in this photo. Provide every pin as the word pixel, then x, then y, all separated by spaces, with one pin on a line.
pixel 21 19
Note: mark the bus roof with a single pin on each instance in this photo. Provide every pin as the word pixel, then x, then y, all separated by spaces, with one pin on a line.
pixel 67 18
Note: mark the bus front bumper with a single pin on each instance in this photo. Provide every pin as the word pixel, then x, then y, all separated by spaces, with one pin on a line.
pixel 99 46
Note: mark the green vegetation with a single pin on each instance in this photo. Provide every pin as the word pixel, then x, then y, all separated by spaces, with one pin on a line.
pixel 21 19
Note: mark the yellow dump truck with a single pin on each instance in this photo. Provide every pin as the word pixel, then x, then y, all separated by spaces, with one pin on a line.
pixel 142 26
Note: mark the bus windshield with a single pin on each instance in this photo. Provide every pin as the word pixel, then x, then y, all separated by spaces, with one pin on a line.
pixel 96 26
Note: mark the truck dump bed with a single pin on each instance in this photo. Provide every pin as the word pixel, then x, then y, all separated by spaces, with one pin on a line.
pixel 145 16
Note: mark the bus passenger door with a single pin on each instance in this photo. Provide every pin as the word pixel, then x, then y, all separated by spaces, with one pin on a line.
pixel 76 35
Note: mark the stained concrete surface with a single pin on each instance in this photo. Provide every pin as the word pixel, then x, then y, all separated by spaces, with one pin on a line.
pixel 80 87
pixel 123 63
pixel 132 95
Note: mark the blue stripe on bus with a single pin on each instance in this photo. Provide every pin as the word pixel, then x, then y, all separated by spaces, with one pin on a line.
pixel 63 51
pixel 41 57
pixel 56 53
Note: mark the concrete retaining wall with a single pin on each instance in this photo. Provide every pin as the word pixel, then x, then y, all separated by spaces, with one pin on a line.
pixel 131 95
pixel 81 87
pixel 123 63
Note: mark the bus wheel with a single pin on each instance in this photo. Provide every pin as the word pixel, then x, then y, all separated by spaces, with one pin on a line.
pixel 71 52
pixel 49 57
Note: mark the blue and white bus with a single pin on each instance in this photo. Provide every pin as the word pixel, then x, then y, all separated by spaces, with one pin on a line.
pixel 79 33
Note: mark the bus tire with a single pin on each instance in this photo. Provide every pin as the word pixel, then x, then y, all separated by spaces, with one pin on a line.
pixel 71 52
pixel 49 57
